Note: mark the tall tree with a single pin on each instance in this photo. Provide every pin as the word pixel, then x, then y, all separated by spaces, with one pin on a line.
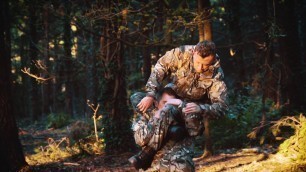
pixel 46 88
pixel 91 70
pixel 146 50
pixel 288 20
pixel 114 96
pixel 11 155
pixel 233 19
pixel 205 33
pixel 33 55
pixel 68 58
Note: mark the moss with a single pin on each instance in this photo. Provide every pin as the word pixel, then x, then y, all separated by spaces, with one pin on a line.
pixel 295 146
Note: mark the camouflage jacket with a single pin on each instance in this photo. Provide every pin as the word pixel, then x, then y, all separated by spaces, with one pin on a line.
pixel 207 89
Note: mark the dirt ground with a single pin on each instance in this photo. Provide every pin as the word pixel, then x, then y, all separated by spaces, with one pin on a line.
pixel 35 139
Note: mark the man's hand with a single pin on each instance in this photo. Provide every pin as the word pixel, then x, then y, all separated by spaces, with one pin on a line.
pixel 192 108
pixel 175 102
pixel 145 103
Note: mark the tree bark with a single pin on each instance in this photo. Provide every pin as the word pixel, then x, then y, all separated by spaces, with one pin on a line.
pixel 11 155
pixel 114 97
pixel 146 57
pixel 296 84
pixel 233 10
pixel 91 72
pixel 205 33
pixel 68 60
pixel 45 87
pixel 35 96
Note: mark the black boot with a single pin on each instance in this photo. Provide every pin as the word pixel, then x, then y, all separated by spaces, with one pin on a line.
pixel 144 158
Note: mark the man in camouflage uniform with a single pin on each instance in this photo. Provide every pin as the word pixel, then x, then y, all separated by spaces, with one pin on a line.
pixel 197 79
pixel 151 128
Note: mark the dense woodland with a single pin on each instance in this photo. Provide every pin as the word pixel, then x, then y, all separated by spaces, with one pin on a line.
pixel 71 62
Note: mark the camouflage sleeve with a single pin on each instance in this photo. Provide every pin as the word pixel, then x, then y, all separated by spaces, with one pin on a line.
pixel 218 97
pixel 164 65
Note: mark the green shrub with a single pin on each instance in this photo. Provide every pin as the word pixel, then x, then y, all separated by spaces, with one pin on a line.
pixel 245 113
pixel 57 120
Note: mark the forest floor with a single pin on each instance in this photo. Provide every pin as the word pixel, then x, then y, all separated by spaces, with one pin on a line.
pixel 40 147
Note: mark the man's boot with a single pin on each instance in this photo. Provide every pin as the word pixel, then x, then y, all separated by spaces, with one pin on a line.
pixel 144 159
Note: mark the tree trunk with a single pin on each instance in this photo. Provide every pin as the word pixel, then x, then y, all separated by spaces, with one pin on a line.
pixel 45 87
pixel 159 25
pixel 205 33
pixel 296 83
pixel 25 79
pixel 11 155
pixel 91 72
pixel 56 86
pixel 233 11
pixel 146 57
pixel 114 98
pixel 200 20
pixel 146 50
pixel 35 96
pixel 68 61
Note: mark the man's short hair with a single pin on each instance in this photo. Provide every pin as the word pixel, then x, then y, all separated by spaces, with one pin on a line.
pixel 206 48
pixel 166 90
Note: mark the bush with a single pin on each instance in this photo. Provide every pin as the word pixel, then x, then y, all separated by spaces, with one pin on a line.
pixel 245 113
pixel 57 120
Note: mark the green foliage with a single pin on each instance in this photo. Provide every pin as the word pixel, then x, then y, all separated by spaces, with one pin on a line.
pixel 245 113
pixel 57 120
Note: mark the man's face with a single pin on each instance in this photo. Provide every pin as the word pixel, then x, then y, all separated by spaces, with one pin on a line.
pixel 202 64
pixel 165 97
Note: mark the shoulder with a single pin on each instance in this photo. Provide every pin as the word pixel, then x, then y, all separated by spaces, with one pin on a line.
pixel 187 48
pixel 218 72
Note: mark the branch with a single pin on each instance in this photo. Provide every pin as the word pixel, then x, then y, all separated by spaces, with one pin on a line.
pixel 28 72
pixel 95 109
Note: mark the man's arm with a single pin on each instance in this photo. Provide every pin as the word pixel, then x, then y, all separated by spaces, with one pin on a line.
pixel 218 96
pixel 163 67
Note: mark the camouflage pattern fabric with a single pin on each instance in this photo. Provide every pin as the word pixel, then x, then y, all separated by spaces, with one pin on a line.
pixel 174 156
pixel 143 124
pixel 162 124
pixel 207 88
pixel 153 131
pixel 194 124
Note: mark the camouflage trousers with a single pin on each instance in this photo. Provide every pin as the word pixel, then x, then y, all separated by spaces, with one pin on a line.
pixel 175 156
pixel 150 131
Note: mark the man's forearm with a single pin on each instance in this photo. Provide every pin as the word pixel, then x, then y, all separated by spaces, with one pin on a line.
pixel 213 111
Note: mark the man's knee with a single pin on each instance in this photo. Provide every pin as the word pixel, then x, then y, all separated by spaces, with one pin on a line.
pixel 194 124
pixel 173 112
